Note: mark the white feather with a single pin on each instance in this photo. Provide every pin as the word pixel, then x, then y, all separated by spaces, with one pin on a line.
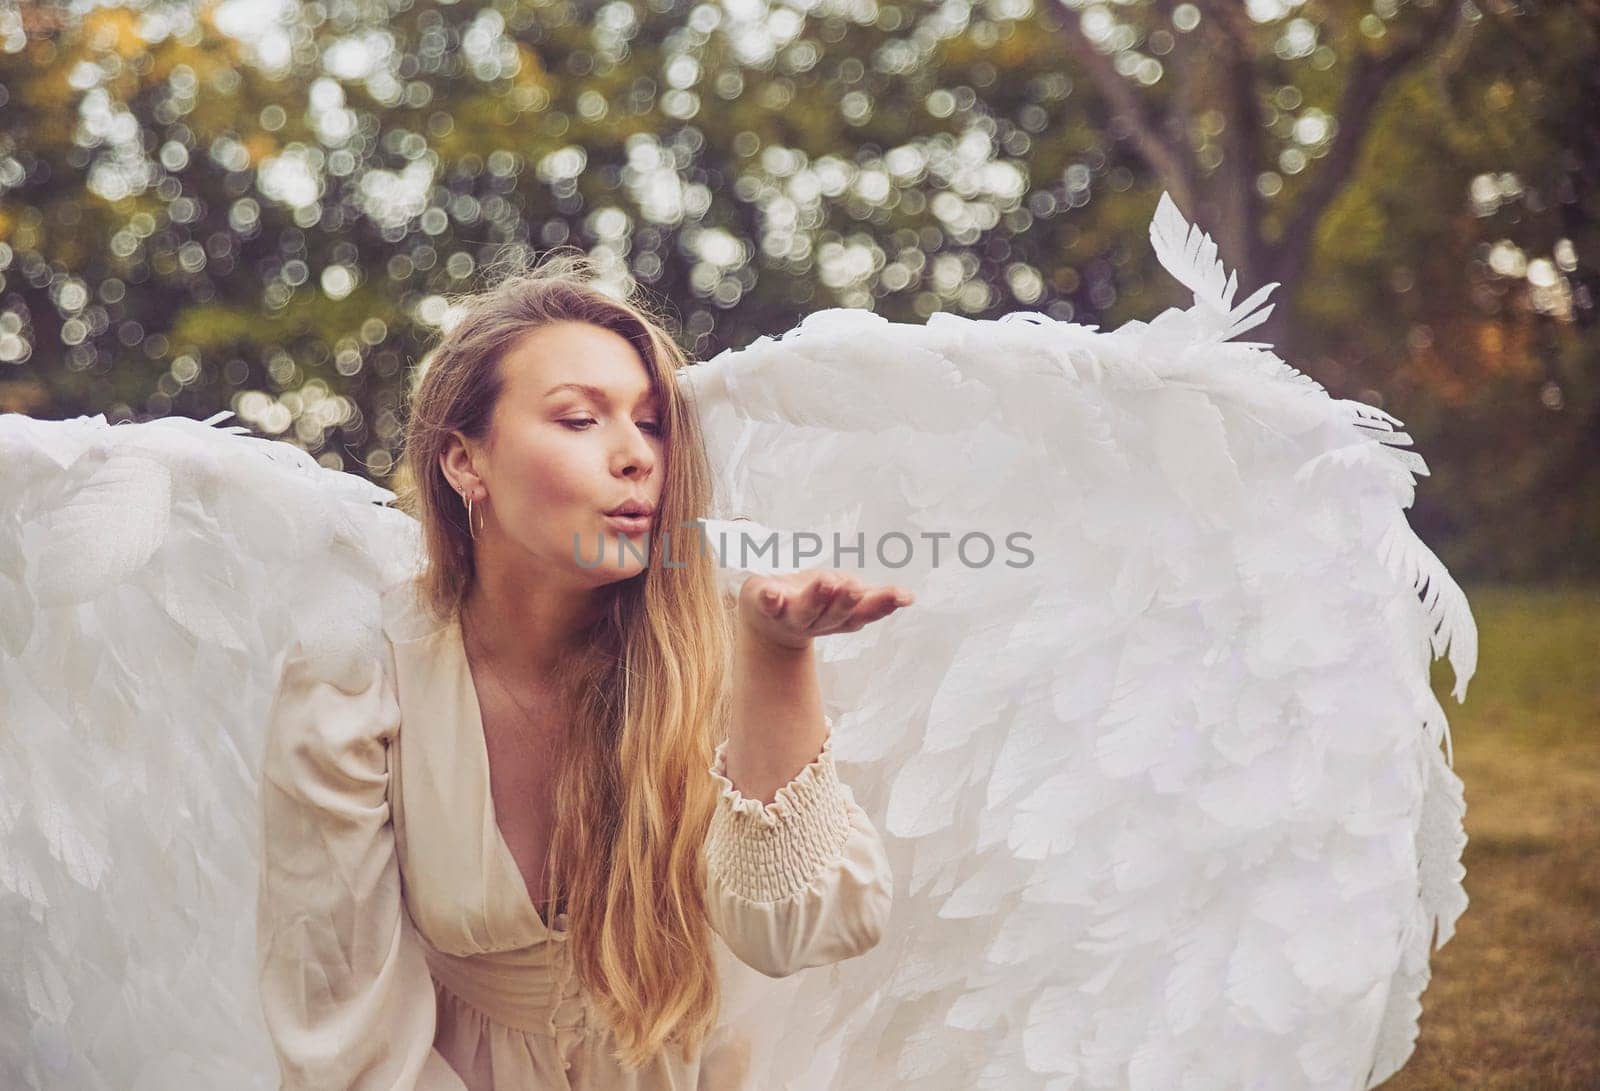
pixel 1189 255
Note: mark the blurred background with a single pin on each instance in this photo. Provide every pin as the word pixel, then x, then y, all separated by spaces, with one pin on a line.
pixel 263 206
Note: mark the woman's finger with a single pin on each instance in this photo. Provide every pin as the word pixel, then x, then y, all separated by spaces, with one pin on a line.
pixel 773 601
pixel 882 602
pixel 814 602
pixel 871 604
pixel 845 600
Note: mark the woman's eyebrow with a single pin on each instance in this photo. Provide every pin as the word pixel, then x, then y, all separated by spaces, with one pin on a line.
pixel 595 392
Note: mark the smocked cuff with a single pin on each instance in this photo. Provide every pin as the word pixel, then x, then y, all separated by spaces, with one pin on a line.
pixel 766 852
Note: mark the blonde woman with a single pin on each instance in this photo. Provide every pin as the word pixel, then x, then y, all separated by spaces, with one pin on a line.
pixel 505 860
pixel 1167 807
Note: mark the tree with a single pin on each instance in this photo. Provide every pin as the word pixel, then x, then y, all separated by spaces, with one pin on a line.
pixel 272 219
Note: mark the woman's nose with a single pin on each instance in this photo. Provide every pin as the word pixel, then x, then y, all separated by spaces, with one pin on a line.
pixel 636 455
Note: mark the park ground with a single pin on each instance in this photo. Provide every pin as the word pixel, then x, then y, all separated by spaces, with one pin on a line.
pixel 1514 1002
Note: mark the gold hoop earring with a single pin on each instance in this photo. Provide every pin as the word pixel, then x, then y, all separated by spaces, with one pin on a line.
pixel 471 529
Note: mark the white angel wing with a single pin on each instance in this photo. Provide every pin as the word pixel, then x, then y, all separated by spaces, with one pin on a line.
pixel 151 576
pixel 1155 753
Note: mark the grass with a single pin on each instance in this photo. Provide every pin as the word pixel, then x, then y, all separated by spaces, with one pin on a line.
pixel 1515 998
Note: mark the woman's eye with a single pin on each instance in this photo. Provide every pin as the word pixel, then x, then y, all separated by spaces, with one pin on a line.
pixel 579 424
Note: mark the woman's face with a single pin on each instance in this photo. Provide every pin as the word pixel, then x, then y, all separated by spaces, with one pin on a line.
pixel 577 432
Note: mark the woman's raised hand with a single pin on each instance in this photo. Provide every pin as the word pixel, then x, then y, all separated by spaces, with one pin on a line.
pixel 792 609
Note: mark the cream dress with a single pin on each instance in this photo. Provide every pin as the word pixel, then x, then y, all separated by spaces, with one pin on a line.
pixel 398 946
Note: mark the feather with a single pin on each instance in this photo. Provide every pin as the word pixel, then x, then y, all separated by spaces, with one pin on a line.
pixel 1218 716
pixel 1190 256
pixel 1412 562
pixel 134 695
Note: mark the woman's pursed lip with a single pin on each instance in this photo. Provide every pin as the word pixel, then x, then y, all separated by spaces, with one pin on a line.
pixel 631 522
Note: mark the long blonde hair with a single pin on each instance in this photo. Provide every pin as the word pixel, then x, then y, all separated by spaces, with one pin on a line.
pixel 643 691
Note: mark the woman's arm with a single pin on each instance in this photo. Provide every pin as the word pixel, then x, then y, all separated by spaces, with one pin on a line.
pixel 797 874
pixel 777 706
pixel 347 996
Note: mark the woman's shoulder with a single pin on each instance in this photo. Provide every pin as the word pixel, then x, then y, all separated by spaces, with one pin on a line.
pixel 337 692
pixel 407 616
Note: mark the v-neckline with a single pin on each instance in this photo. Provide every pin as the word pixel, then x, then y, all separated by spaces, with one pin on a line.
pixel 480 747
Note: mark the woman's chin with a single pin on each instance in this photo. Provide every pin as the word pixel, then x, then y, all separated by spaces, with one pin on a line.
pixel 624 556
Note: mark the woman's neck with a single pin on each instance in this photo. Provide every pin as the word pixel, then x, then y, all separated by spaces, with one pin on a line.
pixel 524 624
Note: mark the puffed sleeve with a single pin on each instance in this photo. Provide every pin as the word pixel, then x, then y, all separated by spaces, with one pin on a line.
pixel 347 996
pixel 801 881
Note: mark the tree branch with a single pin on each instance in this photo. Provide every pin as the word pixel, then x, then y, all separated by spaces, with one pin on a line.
pixel 1180 106
pixel 1239 218
pixel 1168 160
pixel 1370 77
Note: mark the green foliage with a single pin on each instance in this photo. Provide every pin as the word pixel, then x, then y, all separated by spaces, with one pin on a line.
pixel 184 229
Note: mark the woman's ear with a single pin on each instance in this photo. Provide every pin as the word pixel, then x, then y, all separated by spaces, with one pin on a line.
pixel 456 461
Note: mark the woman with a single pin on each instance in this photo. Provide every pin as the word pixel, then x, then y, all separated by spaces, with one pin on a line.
pixel 507 861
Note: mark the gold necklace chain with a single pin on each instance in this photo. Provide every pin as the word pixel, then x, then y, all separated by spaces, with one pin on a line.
pixel 545 911
pixel 529 717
